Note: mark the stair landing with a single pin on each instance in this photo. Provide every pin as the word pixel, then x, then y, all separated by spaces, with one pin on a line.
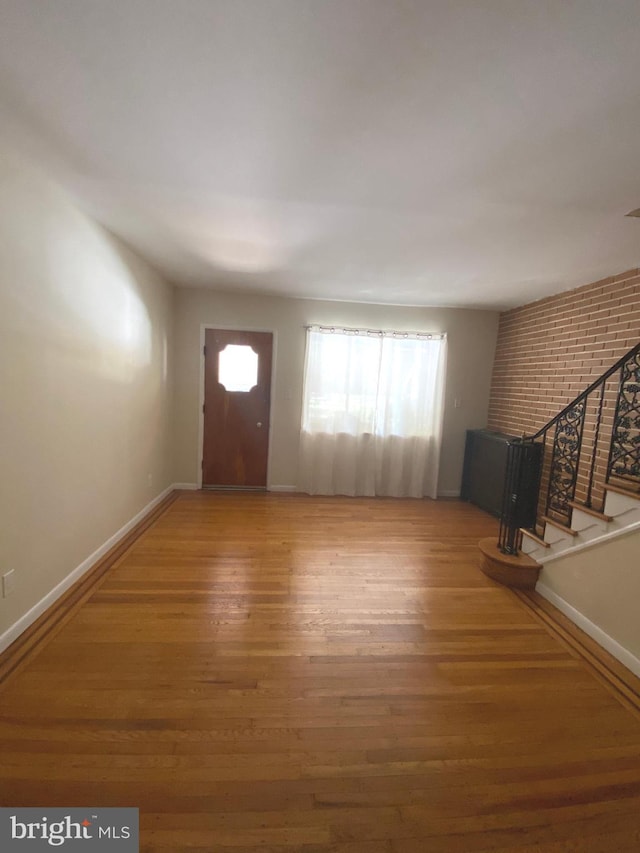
pixel 519 571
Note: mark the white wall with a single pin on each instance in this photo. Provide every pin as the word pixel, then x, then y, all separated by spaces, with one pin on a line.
pixel 84 383
pixel 602 584
pixel 471 345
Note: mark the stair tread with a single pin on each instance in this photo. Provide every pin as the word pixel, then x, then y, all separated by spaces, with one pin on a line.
pixel 535 538
pixel 513 570
pixel 489 547
pixel 559 526
pixel 620 491
pixel 589 511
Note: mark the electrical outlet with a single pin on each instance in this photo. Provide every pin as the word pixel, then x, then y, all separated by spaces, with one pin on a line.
pixel 8 583
pixel 457 403
pixel 149 479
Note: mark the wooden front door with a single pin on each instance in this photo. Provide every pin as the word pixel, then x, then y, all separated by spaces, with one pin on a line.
pixel 237 396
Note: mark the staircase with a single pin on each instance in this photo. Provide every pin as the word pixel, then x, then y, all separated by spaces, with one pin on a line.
pixel 574 482
pixel 621 511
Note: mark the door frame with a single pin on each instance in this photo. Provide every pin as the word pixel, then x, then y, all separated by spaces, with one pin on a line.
pixel 234 328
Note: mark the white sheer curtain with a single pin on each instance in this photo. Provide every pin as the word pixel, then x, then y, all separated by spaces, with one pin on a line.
pixel 372 413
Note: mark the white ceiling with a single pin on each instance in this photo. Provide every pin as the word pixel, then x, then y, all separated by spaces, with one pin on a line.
pixel 420 152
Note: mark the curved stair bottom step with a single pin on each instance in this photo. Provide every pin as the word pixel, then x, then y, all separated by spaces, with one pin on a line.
pixel 518 571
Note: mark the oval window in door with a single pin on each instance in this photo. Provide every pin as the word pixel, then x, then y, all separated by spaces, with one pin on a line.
pixel 237 368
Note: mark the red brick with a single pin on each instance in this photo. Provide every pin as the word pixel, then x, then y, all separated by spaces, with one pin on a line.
pixel 550 350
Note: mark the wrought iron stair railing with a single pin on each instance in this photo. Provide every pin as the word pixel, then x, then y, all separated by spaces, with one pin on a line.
pixel 593 442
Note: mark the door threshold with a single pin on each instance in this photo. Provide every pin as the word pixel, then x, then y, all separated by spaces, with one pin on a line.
pixel 217 488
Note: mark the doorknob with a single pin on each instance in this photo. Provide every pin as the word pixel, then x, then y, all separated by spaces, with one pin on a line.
pixel 259 424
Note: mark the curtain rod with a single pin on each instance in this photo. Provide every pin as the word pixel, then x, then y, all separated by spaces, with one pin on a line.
pixel 378 332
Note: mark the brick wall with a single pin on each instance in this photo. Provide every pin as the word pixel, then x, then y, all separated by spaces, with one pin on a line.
pixel 549 351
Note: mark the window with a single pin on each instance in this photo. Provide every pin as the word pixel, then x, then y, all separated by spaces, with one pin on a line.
pixel 237 368
pixel 382 389
pixel 379 383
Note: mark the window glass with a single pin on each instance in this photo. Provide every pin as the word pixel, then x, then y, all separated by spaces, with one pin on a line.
pixel 237 368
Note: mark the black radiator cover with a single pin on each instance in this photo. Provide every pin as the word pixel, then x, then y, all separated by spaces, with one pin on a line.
pixel 483 476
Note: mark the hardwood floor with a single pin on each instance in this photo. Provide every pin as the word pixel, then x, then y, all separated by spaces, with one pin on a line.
pixel 284 673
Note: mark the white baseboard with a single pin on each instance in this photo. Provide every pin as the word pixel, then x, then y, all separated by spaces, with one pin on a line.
pixel 12 633
pixel 187 487
pixel 608 643
pixel 449 493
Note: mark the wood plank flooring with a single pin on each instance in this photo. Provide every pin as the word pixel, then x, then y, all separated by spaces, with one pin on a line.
pixel 286 673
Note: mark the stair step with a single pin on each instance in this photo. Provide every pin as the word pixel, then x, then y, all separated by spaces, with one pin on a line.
pixel 535 538
pixel 559 526
pixel 623 483
pixel 511 570
pixel 620 491
pixel 589 511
